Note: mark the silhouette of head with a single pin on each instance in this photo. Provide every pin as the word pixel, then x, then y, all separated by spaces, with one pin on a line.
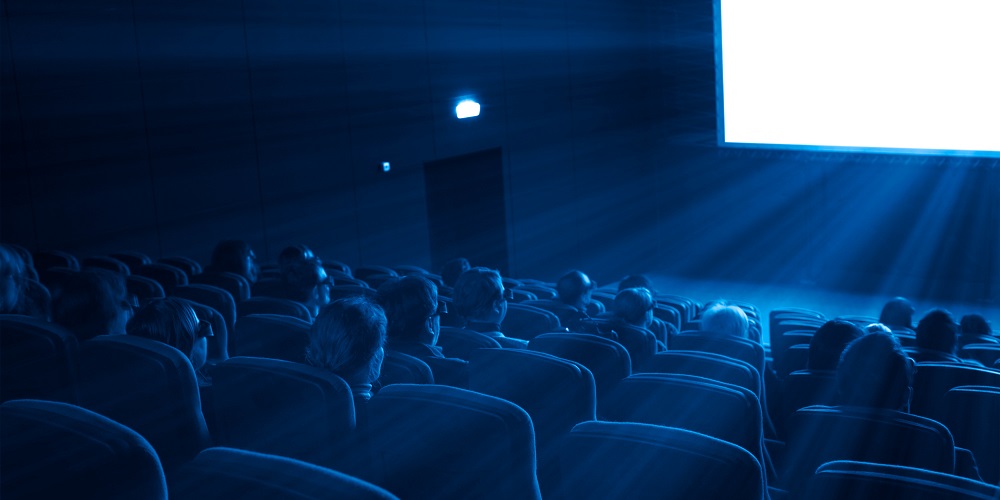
pixel 479 296
pixel 937 331
pixel 828 343
pixel 635 281
pixel 173 322
pixel 898 312
pixel 347 339
pixel 874 372
pixel 720 318
pixel 91 303
pixel 12 274
pixel 410 304
pixel 975 324
pixel 634 306
pixel 235 256
pixel 292 255
pixel 453 269
pixel 574 289
pixel 308 283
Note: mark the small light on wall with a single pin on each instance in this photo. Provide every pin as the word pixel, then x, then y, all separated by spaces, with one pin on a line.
pixel 467 109
pixel 386 167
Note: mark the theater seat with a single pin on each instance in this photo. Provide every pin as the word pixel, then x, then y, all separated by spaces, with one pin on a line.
pixel 58 450
pixel 872 481
pixel 237 286
pixel 272 336
pixel 286 409
pixel 231 473
pixel 973 417
pixel 705 364
pixel 144 288
pixel 108 263
pixel 148 386
pixel 642 461
pixel 343 291
pixel 272 305
pixel 459 342
pixel 527 322
pixel 399 368
pixel 433 441
pixel 190 266
pixel 932 381
pixel 169 277
pixel 38 360
pixel 606 359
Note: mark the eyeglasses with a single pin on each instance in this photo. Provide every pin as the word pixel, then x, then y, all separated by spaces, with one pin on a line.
pixel 442 308
pixel 508 294
pixel 205 329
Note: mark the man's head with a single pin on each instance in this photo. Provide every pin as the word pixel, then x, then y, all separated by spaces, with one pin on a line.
pixel 975 324
pixel 411 305
pixel 574 289
pixel 635 306
pixel 829 342
pixel 453 269
pixel 308 283
pixel 91 303
pixel 479 296
pixel 292 255
pixel 347 339
pixel 898 312
pixel 173 322
pixel 235 256
pixel 937 331
pixel 722 318
pixel 874 372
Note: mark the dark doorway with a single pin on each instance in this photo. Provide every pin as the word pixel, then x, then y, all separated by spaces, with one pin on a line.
pixel 466 209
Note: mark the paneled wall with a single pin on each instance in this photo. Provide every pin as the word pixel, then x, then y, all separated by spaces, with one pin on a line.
pixel 164 126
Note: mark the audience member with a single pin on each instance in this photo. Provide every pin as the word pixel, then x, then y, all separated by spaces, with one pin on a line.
pixel 348 339
pixel 305 281
pixel 480 299
pixel 828 343
pixel 174 322
pixel 874 372
pixel 413 313
pixel 574 290
pixel 897 313
pixel 235 256
pixel 636 281
pixel 634 307
pixel 453 269
pixel 91 303
pixel 975 329
pixel 12 275
pixel 937 337
pixel 292 255
pixel 721 318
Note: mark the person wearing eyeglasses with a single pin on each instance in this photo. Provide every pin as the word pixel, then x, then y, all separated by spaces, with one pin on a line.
pixel 174 322
pixel 306 281
pixel 414 322
pixel 91 303
pixel 481 300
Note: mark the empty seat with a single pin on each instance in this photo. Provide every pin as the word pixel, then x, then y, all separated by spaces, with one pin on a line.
pixel 932 381
pixel 363 272
pixel 821 434
pixel 973 413
pixel 336 266
pixel 642 461
pixel 433 441
pixel 286 409
pixel 190 266
pixel 873 481
pixel 541 291
pixel 109 263
pixel 399 368
pixel 459 342
pixel 795 358
pixel 526 322
pixel 38 360
pixel 231 473
pixel 237 286
pixel 272 336
pixel 132 259
pixel 148 386
pixel 58 450
pixel 166 275
pixel 808 388
pixel 987 354
pixel 47 259
pixel 556 393
pixel 144 288
pixel 606 359
pixel 343 291
pixel 705 364
pixel 733 347
pixel 272 305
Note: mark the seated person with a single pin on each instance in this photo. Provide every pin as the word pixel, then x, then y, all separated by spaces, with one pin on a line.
pixel 234 256
pixel 174 322
pixel 453 269
pixel 829 342
pixel 348 339
pixel 636 281
pixel 411 309
pixel 897 314
pixel 572 302
pixel 634 307
pixel 481 301
pixel 937 334
pixel 306 282
pixel 292 255
pixel 12 275
pixel 720 318
pixel 975 329
pixel 91 303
